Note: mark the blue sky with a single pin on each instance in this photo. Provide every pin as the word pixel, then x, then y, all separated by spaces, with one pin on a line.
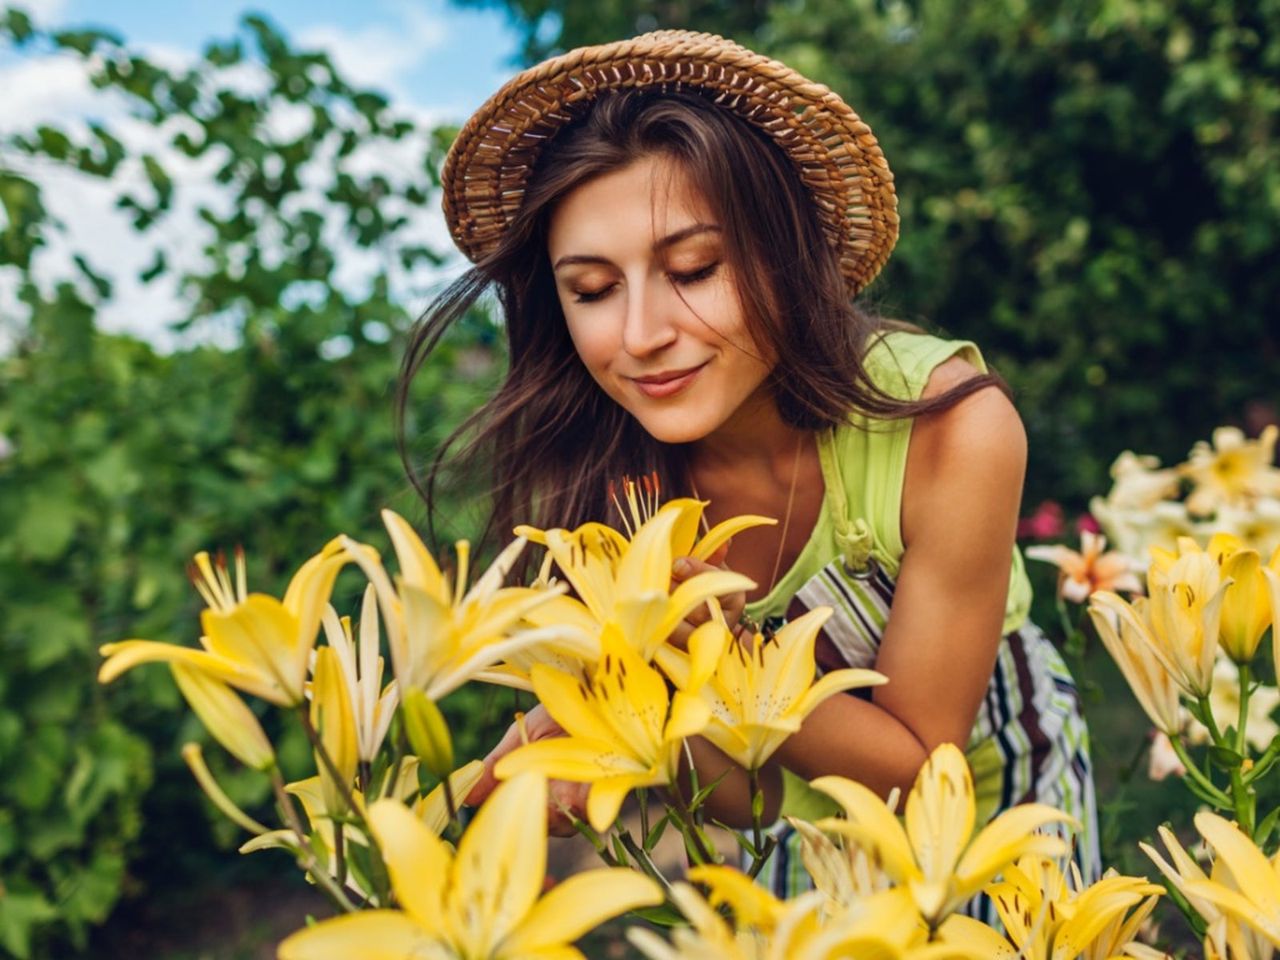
pixel 430 52
pixel 436 62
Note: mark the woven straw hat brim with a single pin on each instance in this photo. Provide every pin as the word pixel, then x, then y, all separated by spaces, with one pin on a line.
pixel 835 153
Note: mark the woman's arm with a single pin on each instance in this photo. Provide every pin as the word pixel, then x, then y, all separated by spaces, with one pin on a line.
pixel 960 505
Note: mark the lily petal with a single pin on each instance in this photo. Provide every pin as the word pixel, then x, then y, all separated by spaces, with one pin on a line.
pixel 579 904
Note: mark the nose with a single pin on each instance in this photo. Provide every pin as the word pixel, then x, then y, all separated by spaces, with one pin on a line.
pixel 650 321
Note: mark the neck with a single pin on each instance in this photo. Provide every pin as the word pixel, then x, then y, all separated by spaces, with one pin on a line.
pixel 755 443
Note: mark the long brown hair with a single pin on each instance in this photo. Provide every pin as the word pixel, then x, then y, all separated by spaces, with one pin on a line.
pixel 549 441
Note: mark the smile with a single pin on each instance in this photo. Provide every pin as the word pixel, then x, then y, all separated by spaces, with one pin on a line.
pixel 667 383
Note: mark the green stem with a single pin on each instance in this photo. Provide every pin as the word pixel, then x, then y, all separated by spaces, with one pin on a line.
pixel 344 787
pixel 1245 798
pixel 757 811
pixel 339 853
pixel 1264 762
pixel 642 798
pixel 646 862
pixel 1243 716
pixel 455 822
pixel 694 845
pixel 1210 722
pixel 1194 772
pixel 306 856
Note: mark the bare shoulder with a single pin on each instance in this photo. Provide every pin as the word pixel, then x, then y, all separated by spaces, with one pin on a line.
pixel 983 422
pixel 974 452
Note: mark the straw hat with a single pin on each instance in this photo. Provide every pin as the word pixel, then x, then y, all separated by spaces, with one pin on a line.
pixel 835 153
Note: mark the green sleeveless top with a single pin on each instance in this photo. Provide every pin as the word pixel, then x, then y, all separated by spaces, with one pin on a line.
pixel 864 463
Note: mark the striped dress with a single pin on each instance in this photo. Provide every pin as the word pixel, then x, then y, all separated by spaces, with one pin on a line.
pixel 1029 742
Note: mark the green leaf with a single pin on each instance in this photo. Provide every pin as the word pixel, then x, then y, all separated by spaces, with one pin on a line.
pixel 48 522
pixel 84 41
pixel 661 916
pixel 88 893
pixel 17 25
pixel 21 915
pixel 1225 758
pixel 1268 825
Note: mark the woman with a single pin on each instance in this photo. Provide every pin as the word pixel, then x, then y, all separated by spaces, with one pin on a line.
pixel 676 228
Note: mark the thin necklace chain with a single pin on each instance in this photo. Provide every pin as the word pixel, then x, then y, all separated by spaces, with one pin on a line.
pixel 786 519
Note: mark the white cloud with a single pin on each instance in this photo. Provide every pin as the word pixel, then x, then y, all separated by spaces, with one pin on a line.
pixel 45 13
pixel 54 88
pixel 379 55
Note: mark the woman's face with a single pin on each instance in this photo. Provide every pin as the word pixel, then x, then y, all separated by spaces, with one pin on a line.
pixel 651 304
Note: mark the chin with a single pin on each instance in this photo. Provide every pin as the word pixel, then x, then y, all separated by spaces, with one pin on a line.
pixel 674 429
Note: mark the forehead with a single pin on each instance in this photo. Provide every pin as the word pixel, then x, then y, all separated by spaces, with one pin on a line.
pixel 639 203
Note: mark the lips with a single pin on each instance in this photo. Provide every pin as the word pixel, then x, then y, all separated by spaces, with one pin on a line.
pixel 668 382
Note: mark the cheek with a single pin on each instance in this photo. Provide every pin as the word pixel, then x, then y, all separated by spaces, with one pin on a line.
pixel 594 343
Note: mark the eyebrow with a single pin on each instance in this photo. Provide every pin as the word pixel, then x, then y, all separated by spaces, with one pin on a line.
pixel 668 241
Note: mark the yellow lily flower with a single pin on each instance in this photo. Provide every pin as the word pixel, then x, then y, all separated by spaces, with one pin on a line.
pixel 440 636
pixel 1140 482
pixel 372 705
pixel 1134 530
pixel 1252 896
pixel 1180 621
pixel 761 690
pixel 642 500
pixel 482 903
pixel 333 720
pixel 1046 918
pixel 1232 470
pixel 628 581
pixel 936 856
pixel 251 641
pixel 884 925
pixel 1186 591
pixel 1257 526
pixel 1272 574
pixel 1226 936
pixel 227 718
pixel 1246 607
pixel 433 809
pixel 624 728
pixel 843 871
pixel 1124 627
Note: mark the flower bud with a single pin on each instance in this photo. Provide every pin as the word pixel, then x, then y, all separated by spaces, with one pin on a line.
pixel 428 732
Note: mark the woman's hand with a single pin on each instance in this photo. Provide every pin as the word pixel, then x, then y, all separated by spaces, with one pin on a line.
pixel 563 798
pixel 732 604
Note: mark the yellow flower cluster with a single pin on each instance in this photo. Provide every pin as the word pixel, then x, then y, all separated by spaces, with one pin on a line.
pixel 595 639
pixel 1233 488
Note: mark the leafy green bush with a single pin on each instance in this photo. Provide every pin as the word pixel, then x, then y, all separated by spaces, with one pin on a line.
pixel 1090 190
pixel 119 462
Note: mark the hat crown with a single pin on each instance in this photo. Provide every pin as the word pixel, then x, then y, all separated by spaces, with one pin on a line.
pixel 835 154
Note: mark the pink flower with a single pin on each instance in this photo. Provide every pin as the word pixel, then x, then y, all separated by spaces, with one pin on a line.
pixel 1163 761
pixel 1089 570
pixel 1086 522
pixel 1045 524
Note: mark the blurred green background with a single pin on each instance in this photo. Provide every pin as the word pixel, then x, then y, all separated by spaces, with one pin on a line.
pixel 1091 190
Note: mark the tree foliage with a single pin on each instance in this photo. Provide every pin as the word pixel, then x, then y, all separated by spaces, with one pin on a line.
pixel 119 462
pixel 1091 191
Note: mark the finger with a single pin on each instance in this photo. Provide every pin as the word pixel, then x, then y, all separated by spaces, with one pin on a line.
pixel 566 802
pixel 680 636
pixel 719 554
pixel 514 737
pixel 685 567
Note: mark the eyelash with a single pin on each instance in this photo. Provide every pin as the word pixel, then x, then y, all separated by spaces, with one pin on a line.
pixel 687 279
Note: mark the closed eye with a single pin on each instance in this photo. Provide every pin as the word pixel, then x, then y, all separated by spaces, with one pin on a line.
pixel 703 273
pixel 591 296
